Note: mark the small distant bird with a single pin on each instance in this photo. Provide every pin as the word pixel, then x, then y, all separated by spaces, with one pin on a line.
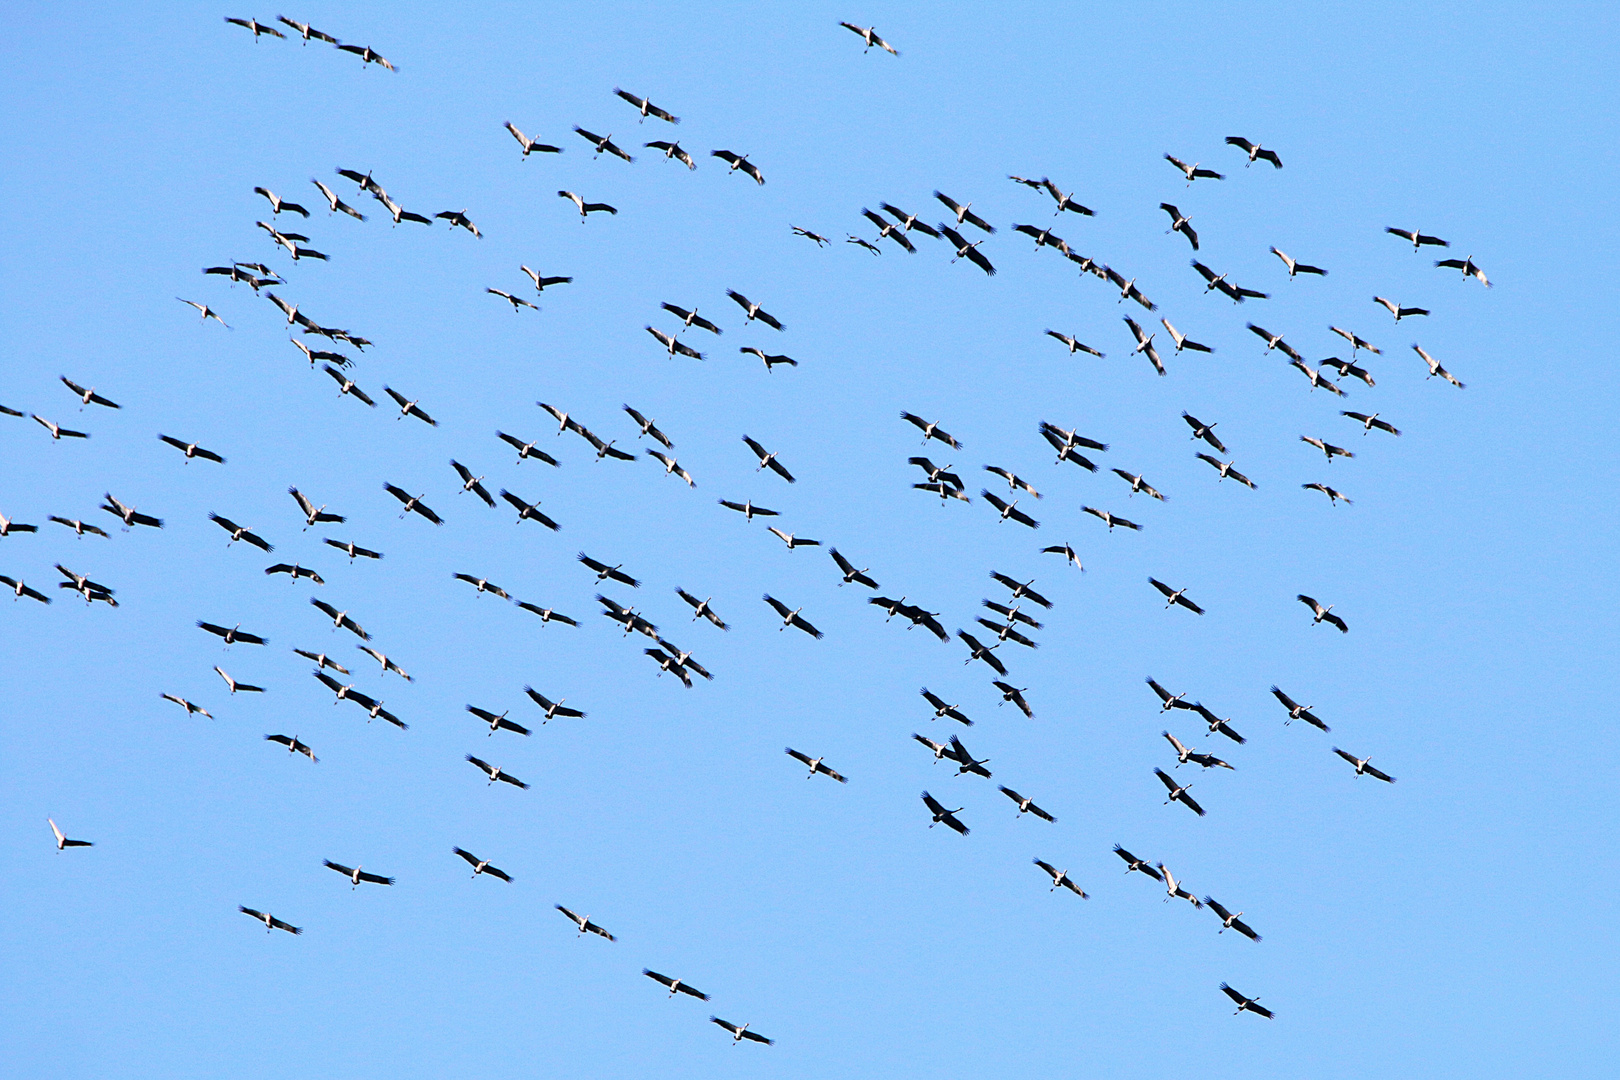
pixel 672 150
pixel 1434 369
pixel 340 619
pixel 531 146
pixel 604 572
pixel 1074 344
pixel 459 218
pixel 497 723
pixel 748 509
pixel 739 161
pixel 701 609
pixel 207 312
pixel 1167 700
pixel 1217 725
pixel 1467 267
pixel 481 866
pixel 1014 481
pixel 674 344
pixel 1334 496
pixel 336 204
pixel 739 1033
pixel 1182 340
pixel 1173 889
pixel 408 407
pixel 845 567
pixel 585 925
pixel 791 617
pixel 603 143
pixel 76 525
pixel 8 526
pixel 753 310
pixel 650 427
pixel 821 241
pixel 1346 368
pixel 1043 238
pixel 1226 470
pixel 258 28
pixel 965 250
pixel 1111 520
pixel 293 746
pixel 306 31
pixel 1175 596
pixel 869 35
pixel 1255 151
pixel 269 920
pixel 1064 550
pixel 1180 224
pixel 411 503
pixel 1014 694
pixel 234 685
pixel 1060 878
pixel 980 651
pixel 63 842
pixel 356 875
pixel 1362 768
pixel 889 230
pixel 1317 379
pixel 964 213
pixel 483 585
pixel 770 359
pixel 851 238
pixel 1243 1003
pixel 1237 293
pixel 346 385
pixel 526 450
pixel 192 450
pixel 88 397
pixel 128 514
pixel 675 985
pixel 1021 589
pixel 1368 422
pixel 645 107
pixel 1133 863
pixel 1144 344
pixel 1418 239
pixel 1178 792
pixel 472 483
pixel 191 710
pixel 278 204
pixel 515 301
pixel 673 468
pixel 942 815
pixel 20 590
pixel 546 614
pixel 1193 172
pixel 586 208
pixel 909 222
pixel 494 772
pixel 1397 310
pixel 1185 754
pixel 1323 614
pixel 541 282
pixel 1274 341
pixel 1138 484
pixel 365 53
pixel 1026 806
pixel 1008 510
pixel 815 765
pixel 943 709
pixel 322 661
pixel 1296 711
pixel 767 460
pixel 351 549
pixel 1327 448
pixel 1295 267
pixel 1356 343
pixel 792 541
pixel 930 430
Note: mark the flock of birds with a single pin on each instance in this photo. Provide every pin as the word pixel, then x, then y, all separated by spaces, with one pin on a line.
pixel 1012 614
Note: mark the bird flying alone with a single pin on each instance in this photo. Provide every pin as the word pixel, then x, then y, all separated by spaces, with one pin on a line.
pixel 816 765
pixel 1323 614
pixel 739 162
pixel 869 35
pixel 675 985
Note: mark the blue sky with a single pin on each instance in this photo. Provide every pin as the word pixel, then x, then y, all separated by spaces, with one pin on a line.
pixel 1459 919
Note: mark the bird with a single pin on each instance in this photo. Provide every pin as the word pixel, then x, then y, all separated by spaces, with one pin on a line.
pixel 494 772
pixel 889 230
pixel 20 590
pixel 645 107
pixel 586 208
pixel 753 310
pixel 937 474
pixel 482 866
pixel 930 430
pixel 1316 378
pixel 739 161
pixel 77 526
pixel 792 617
pixel 340 619
pixel 668 663
pixel 1064 550
pixel 1064 200
pixel 1021 589
pixel 387 664
pixel 1144 344
pixel 232 635
pixel 1362 768
pixel 690 319
pixel 258 28
pixel 1060 878
pixel 1175 596
pixel 748 509
pixel 1011 614
pixel 526 450
pixel 1254 150
pixel 1138 484
pixel 1274 341
pixel 553 709
pixel 674 344
pixel 1008 510
pixel 1397 310
pixel 1013 694
pixel 739 1033
pixel 322 661
pixel 234 685
pixel 1246 1004
pixel 964 214
pixel 336 204
pixel 771 359
pixel 1173 888
pixel 351 549
pixel 1226 470
pixel 942 815
pixel 547 614
pixel 411 503
pixel 346 385
pixel 1193 172
pixel 306 31
pixel 1296 267
pixel 675 985
pixel 1180 224
pixel 1043 237
pixel 767 460
pixel 1185 754
pixel 531 146
pixel 1334 496
pixel 1323 614
pixel 792 541
pixel 191 450
pixel 355 874
pixel 90 590
pixel 672 150
pixel 585 925
pixel 1467 267
pixel 944 490
pixel 1074 344
pixel 515 301
pixel 1368 422
pixel 1327 448
pixel 459 218
pixel 293 745
pixel 1167 700
pixel 1067 452
pixel 1014 481
pixel 270 921
pixel 604 572
pixel 1237 293
pixel 57 431
pixel 845 567
pixel 816 766
pixel 1434 369
pixel 1217 725
pixel 88 397
pixel 942 709
pixel 940 750
pixel 701 609
pixel 278 204
pixel 1203 431
pixel 869 35
pixel 1182 340
pixel 965 250
pixel 542 282
pixel 483 585
pixel 191 709
pixel 851 238
pixel 472 483
pixel 603 143
pixel 365 53
pixel 1111 520
pixel 1417 238
pixel 673 467
pixel 1296 711
pixel 497 722
pixel 980 651
pixel 1178 792
pixel 9 526
pixel 63 842
pixel 909 222
pixel 408 407
pixel 1133 863
pixel 1026 806
pixel 1346 368
pixel 1356 343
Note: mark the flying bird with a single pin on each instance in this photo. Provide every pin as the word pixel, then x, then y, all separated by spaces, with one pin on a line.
pixel 293 746
pixel 1362 768
pixel 1174 596
pixel 1064 550
pixel 322 661
pixel 306 31
pixel 604 572
pixel 497 722
pixel 483 585
pixel 191 450
pixel 1180 224
pixel 771 359
pixel 792 541
pixel 1323 614
pixel 1060 878
pixel 1173 889
pixel 909 222
pixel 1368 422
pixel 586 208
pixel 1246 1004
pixel 1417 238
pixel 20 590
pixel 459 219
pixel 1434 369
pixel 675 985
pixel 515 301
pixel 1178 792
pixel 739 1033
pixel 869 35
pixel 63 842
pixel 965 250
pixel 672 150
pixel 494 772
pixel 526 450
pixel 411 503
pixel 1167 700
pixel 1111 520
pixel 701 609
pixel 1397 310
pixel 1296 711
pixel 942 709
pixel 792 617
pixel 1296 267
pixel 1185 754
pixel 258 28
pixel 1026 806
pixel 674 344
pixel 1467 267
pixel 739 161
pixel 346 385
pixel 942 815
pixel 767 460
pixel 481 866
pixel 351 549
pixel 1203 431
pixel 546 614
pixel 191 710
pixel 753 310
pixel 603 143
pixel 1334 496
pixel 1014 694
pixel 981 651
pixel 1133 863
pixel 336 204
pixel 79 527
pixel 408 407
pixel 964 213
pixel 340 619
pixel 356 875
pixel 1008 510
pixel 1317 379
pixel 816 766
pixel 888 230
pixel 1182 340
pixel 1021 589
pixel 748 509
pixel 1144 344
pixel 847 568
pixel 269 920
pixel 366 54
pixel 1254 150
pixel 1226 470
pixel 821 241
pixel 1074 344
pixel 1346 368
pixel 1237 293
pixel 673 468
pixel 531 146
pixel 585 925
pixel 88 397
pixel 1193 172
pixel 57 431
pixel 1327 448
pixel 472 483
pixel 234 634
pixel 1274 341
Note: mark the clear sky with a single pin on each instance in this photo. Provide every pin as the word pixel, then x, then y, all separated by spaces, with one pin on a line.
pixel 1459 922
